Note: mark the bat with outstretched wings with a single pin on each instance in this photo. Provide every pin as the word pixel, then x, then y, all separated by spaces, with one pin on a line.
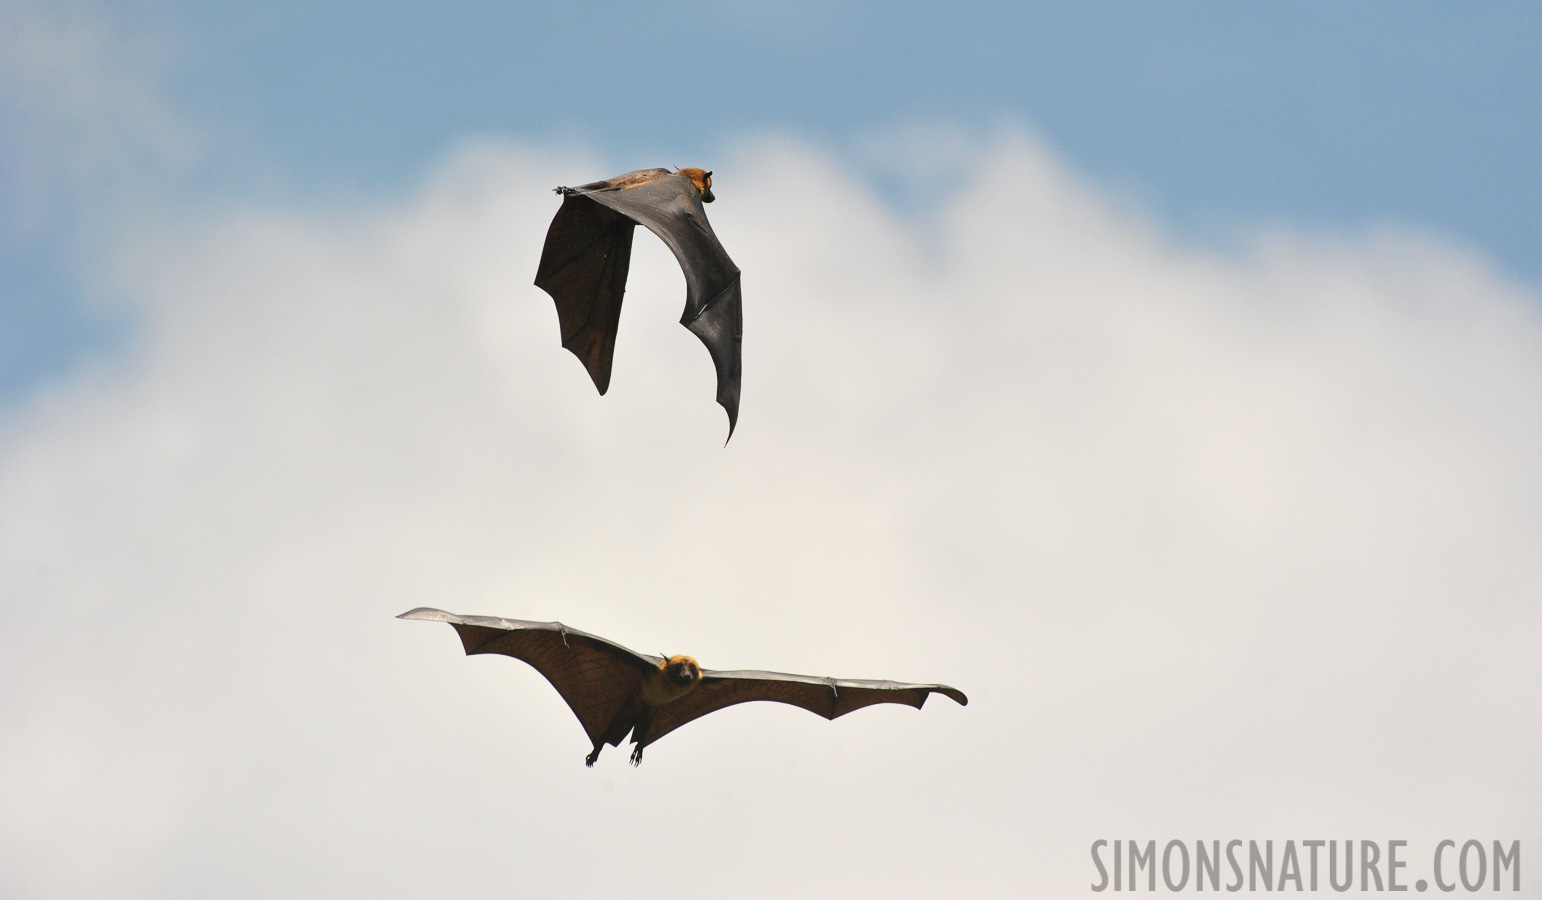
pixel 615 691
pixel 589 249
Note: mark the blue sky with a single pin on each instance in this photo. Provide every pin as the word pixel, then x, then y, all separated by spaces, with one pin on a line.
pixel 1321 113
pixel 1219 118
pixel 1168 379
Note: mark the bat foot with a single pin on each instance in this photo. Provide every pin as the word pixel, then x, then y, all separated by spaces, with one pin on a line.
pixel 637 755
pixel 589 760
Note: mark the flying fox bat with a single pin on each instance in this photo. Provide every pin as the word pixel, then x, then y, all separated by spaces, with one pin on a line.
pixel 589 248
pixel 615 691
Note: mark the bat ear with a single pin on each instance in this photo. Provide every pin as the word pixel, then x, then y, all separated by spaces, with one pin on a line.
pixel 709 174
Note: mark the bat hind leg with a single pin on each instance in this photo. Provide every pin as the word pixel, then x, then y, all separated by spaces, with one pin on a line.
pixel 640 737
pixel 594 755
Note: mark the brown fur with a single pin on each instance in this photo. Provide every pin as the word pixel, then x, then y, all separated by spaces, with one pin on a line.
pixel 702 180
pixel 634 179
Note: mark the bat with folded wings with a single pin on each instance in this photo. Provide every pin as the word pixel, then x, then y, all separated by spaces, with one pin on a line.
pixel 588 251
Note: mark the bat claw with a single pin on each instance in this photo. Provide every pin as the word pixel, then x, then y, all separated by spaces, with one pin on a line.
pixel 637 755
pixel 589 760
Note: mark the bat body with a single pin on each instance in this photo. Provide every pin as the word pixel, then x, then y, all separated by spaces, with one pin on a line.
pixel 588 251
pixel 615 691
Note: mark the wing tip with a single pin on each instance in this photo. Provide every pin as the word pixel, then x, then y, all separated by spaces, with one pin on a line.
pixel 954 694
pixel 598 369
pixel 728 398
pixel 428 614
pixel 601 379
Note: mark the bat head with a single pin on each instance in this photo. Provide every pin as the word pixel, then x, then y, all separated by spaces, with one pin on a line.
pixel 703 182
pixel 681 670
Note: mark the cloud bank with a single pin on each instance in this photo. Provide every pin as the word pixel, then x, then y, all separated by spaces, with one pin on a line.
pixel 1219 545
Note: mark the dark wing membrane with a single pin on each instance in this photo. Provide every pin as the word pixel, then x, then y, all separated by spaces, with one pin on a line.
pixel 671 208
pixel 583 267
pixel 828 697
pixel 595 677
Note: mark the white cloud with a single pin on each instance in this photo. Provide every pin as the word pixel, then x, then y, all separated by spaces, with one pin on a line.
pixel 1218 547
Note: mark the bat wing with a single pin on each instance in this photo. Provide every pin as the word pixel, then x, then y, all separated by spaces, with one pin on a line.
pixel 583 267
pixel 828 697
pixel 671 207
pixel 596 677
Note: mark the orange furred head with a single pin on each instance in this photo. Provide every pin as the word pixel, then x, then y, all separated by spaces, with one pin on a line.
pixel 703 182
pixel 681 670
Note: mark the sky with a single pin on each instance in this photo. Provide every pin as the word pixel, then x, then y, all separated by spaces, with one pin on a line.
pixel 1167 379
